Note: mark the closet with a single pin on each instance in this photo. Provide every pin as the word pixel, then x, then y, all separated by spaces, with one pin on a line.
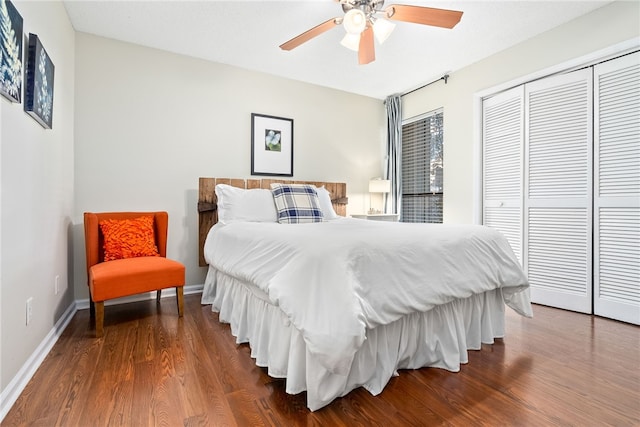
pixel 561 180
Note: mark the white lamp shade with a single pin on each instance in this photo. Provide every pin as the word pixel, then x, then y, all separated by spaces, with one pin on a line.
pixel 354 21
pixel 379 186
pixel 382 29
pixel 351 41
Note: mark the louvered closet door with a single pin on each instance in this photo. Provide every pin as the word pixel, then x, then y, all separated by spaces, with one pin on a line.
pixel 617 189
pixel 558 190
pixel 502 140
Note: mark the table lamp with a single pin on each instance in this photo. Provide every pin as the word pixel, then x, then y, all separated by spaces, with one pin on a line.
pixel 378 185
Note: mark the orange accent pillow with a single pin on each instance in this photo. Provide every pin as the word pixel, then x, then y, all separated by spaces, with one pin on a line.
pixel 128 238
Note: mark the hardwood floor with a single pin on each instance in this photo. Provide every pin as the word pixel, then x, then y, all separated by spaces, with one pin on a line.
pixel 152 368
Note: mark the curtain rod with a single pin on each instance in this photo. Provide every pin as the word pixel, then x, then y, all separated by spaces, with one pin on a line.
pixel 445 78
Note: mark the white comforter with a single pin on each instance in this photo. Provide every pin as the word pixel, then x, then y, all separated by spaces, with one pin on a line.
pixel 336 278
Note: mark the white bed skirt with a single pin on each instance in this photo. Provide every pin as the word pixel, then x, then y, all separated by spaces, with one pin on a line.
pixel 437 338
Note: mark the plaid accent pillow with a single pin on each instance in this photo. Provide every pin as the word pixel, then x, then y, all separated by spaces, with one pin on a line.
pixel 296 203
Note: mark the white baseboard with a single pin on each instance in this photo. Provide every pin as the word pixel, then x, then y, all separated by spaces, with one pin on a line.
pixel 11 393
pixel 83 304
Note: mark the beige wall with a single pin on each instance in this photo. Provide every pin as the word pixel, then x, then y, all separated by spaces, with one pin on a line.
pixel 148 123
pixel 37 199
pixel 600 29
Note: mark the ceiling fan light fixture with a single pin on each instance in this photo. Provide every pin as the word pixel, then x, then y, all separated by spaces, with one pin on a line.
pixel 382 29
pixel 366 20
pixel 354 21
pixel 351 41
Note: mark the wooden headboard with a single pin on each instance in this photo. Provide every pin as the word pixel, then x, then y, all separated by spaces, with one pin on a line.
pixel 207 208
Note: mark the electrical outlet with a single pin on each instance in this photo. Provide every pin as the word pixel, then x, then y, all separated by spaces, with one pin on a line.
pixel 56 286
pixel 29 310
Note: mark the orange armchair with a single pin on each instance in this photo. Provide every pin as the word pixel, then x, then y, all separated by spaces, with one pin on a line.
pixel 129 276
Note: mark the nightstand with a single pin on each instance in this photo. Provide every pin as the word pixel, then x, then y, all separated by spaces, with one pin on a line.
pixel 378 217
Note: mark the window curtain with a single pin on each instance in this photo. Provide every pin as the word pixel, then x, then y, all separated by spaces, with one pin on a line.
pixel 392 200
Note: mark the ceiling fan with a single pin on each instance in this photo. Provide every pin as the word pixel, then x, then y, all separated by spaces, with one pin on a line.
pixel 365 19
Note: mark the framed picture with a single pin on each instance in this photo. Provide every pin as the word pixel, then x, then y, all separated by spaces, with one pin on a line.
pixel 271 145
pixel 38 98
pixel 11 49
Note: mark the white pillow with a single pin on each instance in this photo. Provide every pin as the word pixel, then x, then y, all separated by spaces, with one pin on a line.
pixel 325 203
pixel 237 205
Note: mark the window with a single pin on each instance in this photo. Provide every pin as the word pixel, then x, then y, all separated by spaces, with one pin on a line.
pixel 422 185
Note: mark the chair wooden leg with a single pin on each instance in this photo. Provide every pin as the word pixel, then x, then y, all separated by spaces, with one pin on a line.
pixel 99 318
pixel 180 297
pixel 92 309
pixel 158 295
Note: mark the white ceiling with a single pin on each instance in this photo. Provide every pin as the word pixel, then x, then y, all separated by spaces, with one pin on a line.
pixel 247 34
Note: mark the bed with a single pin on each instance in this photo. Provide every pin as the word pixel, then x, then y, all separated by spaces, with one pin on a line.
pixel 333 303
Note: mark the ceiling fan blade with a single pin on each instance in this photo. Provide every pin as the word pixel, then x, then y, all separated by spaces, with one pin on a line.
pixel 309 34
pixel 366 52
pixel 424 15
